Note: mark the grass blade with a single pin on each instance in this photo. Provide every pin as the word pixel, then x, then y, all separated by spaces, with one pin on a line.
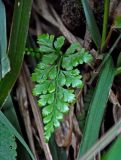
pixel 16 48
pixel 92 25
pixel 97 107
pixel 105 21
pixel 8 143
pixel 115 151
pixel 103 142
pixel 5 121
pixel 119 60
pixel 9 112
pixel 58 153
pixel 4 61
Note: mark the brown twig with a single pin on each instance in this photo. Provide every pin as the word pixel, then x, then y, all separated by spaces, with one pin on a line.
pixel 70 37
pixel 54 20
pixel 23 106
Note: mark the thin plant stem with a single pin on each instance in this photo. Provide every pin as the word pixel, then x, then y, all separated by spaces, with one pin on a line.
pixel 105 21
pixel 106 58
pixel 110 51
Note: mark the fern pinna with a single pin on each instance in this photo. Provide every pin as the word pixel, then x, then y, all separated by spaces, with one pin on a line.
pixel 56 77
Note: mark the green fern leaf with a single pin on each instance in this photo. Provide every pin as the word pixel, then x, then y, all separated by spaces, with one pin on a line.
pixel 59 42
pixel 73 48
pixel 75 58
pixel 56 78
pixel 7 144
pixel 46 43
pixel 73 78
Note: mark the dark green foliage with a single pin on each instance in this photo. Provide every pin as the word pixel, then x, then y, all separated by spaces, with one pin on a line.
pixel 114 151
pixel 56 78
pixel 4 60
pixel 97 107
pixel 7 143
pixel 16 47
pixel 82 116
pixel 117 22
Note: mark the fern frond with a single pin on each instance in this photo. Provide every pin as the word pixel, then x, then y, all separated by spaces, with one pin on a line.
pixel 56 78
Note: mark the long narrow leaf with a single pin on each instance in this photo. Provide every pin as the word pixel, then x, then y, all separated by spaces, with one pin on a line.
pixel 90 19
pixel 105 21
pixel 16 46
pixel 7 141
pixel 97 107
pixel 103 142
pixel 114 152
pixel 9 112
pixel 5 121
pixel 58 153
pixel 4 61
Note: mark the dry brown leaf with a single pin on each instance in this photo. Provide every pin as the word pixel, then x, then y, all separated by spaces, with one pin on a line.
pixel 63 134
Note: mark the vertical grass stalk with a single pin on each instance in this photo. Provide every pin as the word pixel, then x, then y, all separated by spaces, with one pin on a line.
pixel 97 107
pixel 105 21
